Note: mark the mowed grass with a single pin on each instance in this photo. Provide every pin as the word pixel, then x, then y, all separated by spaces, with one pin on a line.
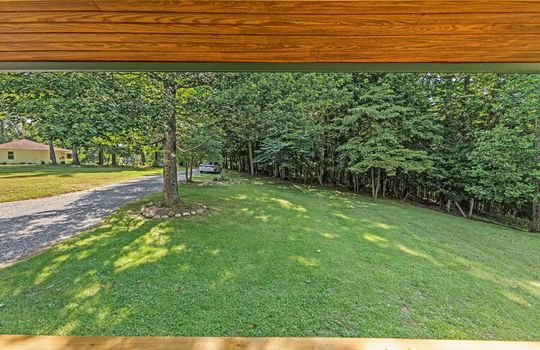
pixel 275 259
pixel 20 182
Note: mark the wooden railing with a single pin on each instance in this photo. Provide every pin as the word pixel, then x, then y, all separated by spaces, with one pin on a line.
pixel 25 342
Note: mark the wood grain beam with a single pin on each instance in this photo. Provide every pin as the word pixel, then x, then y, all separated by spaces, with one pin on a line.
pixel 321 25
pixel 359 45
pixel 17 342
pixel 48 5
pixel 244 56
pixel 326 7
pixel 280 7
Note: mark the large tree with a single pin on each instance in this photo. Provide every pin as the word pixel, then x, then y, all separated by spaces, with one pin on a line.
pixel 165 94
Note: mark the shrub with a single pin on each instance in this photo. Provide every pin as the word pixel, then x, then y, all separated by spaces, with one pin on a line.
pixel 221 178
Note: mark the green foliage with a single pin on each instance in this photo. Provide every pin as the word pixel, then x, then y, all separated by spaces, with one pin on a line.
pixel 440 139
pixel 424 135
pixel 378 130
pixel 503 167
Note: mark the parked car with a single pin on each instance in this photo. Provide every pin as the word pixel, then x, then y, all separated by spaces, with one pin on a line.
pixel 210 167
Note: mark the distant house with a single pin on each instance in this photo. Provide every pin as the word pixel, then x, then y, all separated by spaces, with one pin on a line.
pixel 30 152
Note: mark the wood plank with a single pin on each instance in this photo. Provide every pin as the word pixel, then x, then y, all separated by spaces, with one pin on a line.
pixel 48 5
pixel 277 24
pixel 21 342
pixel 325 6
pixel 116 28
pixel 314 56
pixel 381 28
pixel 522 41
pixel 442 45
pixel 244 18
pixel 280 6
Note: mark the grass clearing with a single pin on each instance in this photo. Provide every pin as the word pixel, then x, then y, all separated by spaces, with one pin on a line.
pixel 276 259
pixel 18 182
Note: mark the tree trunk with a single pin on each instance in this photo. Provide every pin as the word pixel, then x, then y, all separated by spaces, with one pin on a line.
pixel 373 194
pixel 170 172
pixel 460 210
pixel 2 131
pixel 101 157
pixel 250 154
pixel 143 158
pixel 156 159
pixel 186 173
pixel 471 207
pixel 113 159
pixel 76 160
pixel 52 153
pixel 536 201
pixel 378 183
pixel 320 174
pixel 536 217
pixel 191 172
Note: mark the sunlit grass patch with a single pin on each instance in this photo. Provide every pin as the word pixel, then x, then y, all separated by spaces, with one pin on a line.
pixel 19 182
pixel 274 259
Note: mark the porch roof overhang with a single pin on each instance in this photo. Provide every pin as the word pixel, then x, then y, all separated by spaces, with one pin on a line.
pixel 271 35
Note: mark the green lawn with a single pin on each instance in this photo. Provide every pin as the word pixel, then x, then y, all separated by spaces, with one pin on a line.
pixel 274 259
pixel 20 182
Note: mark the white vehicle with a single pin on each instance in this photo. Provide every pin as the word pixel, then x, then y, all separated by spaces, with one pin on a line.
pixel 210 167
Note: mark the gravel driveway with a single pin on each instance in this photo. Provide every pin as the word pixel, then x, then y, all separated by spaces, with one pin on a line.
pixel 30 225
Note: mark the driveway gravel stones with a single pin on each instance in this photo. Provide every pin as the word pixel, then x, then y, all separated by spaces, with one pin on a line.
pixel 31 225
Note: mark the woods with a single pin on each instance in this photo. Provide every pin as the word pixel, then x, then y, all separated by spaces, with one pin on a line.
pixel 465 143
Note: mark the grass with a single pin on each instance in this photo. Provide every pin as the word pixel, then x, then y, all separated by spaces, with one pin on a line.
pixel 275 259
pixel 20 182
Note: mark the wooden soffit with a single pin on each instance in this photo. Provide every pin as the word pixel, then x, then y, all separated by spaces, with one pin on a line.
pixel 292 33
pixel 29 342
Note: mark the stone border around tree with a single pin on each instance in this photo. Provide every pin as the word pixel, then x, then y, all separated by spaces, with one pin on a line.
pixel 155 211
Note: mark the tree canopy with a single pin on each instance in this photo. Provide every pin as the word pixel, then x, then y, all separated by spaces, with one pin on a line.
pixel 466 143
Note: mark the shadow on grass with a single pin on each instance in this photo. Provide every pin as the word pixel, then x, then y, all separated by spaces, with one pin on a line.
pixel 27 175
pixel 25 232
pixel 268 261
pixel 8 171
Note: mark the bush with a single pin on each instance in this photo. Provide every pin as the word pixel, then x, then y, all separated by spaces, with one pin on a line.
pixel 221 178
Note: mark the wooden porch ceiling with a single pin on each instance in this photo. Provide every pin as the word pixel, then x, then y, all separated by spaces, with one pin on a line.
pixel 28 342
pixel 270 31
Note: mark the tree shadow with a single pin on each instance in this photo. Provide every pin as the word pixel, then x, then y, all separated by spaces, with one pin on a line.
pixel 298 273
pixel 24 233
pixel 25 175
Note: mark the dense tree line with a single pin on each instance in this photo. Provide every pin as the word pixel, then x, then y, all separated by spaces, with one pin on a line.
pixel 467 143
